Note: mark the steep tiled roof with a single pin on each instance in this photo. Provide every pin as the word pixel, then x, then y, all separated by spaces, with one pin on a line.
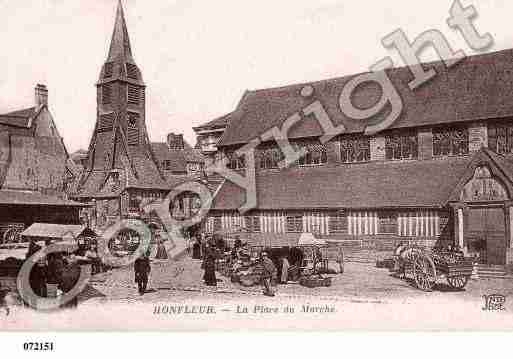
pixel 408 184
pixel 479 87
pixel 425 183
pixel 19 118
pixel 164 153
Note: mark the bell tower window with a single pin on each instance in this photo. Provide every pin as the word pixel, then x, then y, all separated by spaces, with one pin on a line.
pixel 133 129
pixel 134 95
pixel 106 94
pixel 132 71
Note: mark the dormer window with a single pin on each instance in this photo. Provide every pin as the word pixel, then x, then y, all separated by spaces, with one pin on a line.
pixel 132 72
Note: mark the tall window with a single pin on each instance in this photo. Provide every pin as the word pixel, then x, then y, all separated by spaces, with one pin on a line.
pixel 355 149
pixel 106 94
pixel 235 162
pixel 500 137
pixel 315 154
pixel 294 224
pixel 401 145
pixel 338 222
pixel 451 141
pixel 387 222
pixel 131 71
pixel 252 223
pixel 134 95
pixel 106 122
pixel 133 129
pixel 269 157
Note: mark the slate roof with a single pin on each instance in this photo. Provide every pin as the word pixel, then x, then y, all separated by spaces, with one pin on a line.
pixel 19 118
pixel 412 184
pixel 479 87
pixel 34 198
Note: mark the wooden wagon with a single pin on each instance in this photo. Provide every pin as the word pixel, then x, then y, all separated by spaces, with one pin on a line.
pixel 428 267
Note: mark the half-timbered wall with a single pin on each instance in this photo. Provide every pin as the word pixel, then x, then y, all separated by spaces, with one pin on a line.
pixel 410 223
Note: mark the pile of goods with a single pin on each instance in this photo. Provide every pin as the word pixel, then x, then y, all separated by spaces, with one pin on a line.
pixel 315 281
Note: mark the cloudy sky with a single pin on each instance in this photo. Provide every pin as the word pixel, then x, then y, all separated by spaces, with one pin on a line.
pixel 198 57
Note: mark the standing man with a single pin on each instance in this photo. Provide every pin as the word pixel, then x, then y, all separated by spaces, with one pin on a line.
pixel 270 273
pixel 142 269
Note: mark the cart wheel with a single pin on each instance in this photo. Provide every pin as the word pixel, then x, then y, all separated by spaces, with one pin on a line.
pixel 458 282
pixel 424 272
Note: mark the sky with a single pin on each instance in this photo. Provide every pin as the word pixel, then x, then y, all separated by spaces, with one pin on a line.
pixel 198 57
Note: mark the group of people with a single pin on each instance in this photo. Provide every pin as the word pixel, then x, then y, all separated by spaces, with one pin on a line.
pixel 273 266
pixel 58 271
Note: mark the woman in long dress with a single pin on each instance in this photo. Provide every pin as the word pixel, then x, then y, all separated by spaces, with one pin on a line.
pixel 209 265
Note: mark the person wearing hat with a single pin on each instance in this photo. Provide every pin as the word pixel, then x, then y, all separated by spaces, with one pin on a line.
pixel 270 273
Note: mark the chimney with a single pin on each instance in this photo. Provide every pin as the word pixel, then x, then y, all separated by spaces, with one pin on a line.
pixel 175 141
pixel 41 93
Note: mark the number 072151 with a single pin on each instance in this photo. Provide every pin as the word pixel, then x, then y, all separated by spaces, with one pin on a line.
pixel 38 346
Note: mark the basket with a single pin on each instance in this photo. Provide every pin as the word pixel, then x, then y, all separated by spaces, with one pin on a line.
pixel 314 282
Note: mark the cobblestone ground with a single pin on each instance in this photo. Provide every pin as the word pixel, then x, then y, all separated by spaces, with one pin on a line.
pixel 171 279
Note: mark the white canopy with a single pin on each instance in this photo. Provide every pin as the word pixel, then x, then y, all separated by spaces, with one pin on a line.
pixel 308 239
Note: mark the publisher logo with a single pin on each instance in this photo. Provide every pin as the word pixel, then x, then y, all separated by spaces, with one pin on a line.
pixel 494 302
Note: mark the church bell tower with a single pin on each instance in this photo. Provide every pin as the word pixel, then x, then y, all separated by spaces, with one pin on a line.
pixel 120 151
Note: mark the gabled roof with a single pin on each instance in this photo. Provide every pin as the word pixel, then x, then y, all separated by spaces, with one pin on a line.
pixel 392 184
pixel 19 118
pixel 479 87
pixel 218 123
pixel 164 153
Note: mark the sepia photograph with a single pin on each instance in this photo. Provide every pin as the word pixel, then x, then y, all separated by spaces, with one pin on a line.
pixel 184 165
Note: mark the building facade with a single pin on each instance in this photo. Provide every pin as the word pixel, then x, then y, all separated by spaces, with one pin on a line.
pixel 442 173
pixel 35 171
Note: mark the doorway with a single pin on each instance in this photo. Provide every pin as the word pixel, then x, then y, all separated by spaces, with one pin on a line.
pixel 486 234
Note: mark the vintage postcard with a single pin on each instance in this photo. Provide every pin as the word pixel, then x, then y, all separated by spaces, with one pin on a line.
pixel 182 165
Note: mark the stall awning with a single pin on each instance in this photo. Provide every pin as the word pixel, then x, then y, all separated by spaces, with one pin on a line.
pixel 56 231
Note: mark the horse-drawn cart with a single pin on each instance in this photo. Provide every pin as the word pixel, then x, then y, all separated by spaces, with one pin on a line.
pixel 428 267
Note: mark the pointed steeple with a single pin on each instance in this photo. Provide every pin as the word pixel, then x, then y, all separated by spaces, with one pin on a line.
pixel 120 44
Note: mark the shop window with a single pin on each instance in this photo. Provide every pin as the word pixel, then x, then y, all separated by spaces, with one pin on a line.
pixel 294 224
pixel 338 222
pixel 450 141
pixel 387 223
pixel 354 149
pixel 401 145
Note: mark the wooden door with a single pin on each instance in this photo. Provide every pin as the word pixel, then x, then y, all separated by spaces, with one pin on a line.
pixel 495 236
pixel 487 226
